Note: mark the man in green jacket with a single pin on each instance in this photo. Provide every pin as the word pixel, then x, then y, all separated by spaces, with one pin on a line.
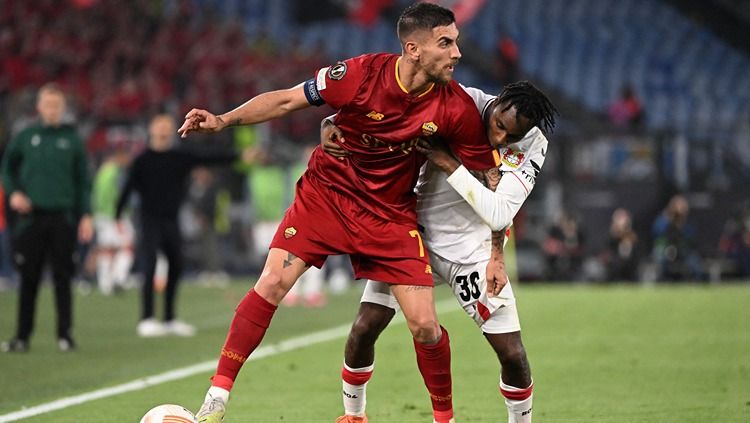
pixel 45 174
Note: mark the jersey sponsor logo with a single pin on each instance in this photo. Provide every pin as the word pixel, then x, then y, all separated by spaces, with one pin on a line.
pixel 374 142
pixel 429 128
pixel 375 116
pixel 320 80
pixel 337 71
pixel 512 157
pixel 290 232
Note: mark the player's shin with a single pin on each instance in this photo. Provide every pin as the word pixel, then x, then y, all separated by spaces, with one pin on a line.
pixel 354 383
pixel 518 401
pixel 434 362
pixel 251 319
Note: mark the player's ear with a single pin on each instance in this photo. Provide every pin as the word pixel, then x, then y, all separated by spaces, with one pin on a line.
pixel 411 50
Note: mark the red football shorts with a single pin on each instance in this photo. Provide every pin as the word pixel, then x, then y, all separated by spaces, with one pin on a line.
pixel 323 222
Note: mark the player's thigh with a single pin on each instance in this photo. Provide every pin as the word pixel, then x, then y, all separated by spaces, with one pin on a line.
pixel 376 292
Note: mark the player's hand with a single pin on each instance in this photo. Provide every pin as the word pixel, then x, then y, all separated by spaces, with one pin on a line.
pixel 199 120
pixel 331 139
pixel 496 277
pixel 85 229
pixel 20 202
pixel 439 154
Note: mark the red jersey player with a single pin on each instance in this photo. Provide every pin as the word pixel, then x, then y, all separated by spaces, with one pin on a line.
pixel 363 205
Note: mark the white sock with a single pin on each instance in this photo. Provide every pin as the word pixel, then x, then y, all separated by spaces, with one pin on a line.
pixel 104 272
pixel 355 395
pixel 519 410
pixel 121 266
pixel 215 391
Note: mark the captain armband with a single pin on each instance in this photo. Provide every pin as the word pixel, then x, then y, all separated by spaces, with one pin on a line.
pixel 312 94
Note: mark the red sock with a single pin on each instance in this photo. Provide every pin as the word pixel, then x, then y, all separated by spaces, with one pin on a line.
pixel 434 362
pixel 251 319
pixel 355 378
pixel 516 394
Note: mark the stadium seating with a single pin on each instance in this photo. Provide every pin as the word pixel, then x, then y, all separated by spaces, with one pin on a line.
pixel 588 49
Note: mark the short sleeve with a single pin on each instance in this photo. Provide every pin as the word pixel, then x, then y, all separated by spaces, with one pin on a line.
pixel 469 141
pixel 338 84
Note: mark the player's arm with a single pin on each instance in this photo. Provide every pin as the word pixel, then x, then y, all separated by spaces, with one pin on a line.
pixel 497 277
pixel 497 208
pixel 260 108
pixel 331 138
pixel 11 165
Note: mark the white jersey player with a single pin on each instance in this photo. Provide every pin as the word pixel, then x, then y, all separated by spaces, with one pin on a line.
pixel 458 216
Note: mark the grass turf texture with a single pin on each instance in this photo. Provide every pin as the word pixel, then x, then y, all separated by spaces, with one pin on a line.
pixel 598 354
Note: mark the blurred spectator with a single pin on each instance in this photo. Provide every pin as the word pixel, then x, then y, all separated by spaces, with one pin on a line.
pixel 202 197
pixel 45 172
pixel 507 60
pixel 6 268
pixel 159 175
pixel 734 244
pixel 626 112
pixel 563 249
pixel 622 250
pixel 674 250
pixel 270 202
pixel 114 239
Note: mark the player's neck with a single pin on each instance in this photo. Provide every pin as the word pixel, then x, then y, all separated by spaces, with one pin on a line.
pixel 410 78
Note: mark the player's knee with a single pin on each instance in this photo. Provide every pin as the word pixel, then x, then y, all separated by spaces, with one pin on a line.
pixel 370 323
pixel 425 330
pixel 513 356
pixel 271 287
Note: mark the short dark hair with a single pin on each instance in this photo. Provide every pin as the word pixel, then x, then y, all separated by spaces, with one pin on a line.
pixel 424 16
pixel 529 102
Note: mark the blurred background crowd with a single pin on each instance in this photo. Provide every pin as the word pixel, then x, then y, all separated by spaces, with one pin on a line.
pixel 646 178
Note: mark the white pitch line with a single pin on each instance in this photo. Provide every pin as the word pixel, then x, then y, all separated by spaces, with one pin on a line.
pixel 206 366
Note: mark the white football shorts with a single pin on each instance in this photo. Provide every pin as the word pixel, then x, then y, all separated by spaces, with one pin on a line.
pixel 108 235
pixel 469 284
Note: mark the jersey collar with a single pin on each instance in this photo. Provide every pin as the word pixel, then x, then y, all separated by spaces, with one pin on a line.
pixel 400 85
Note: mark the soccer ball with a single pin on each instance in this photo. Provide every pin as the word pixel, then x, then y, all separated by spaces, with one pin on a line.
pixel 169 413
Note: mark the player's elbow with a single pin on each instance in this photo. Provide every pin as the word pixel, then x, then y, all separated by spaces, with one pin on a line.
pixel 499 225
pixel 500 219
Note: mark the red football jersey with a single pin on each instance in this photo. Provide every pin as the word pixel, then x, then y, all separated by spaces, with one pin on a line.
pixel 381 123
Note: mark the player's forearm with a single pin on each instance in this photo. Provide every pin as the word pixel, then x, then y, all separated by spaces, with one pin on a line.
pixel 447 164
pixel 496 208
pixel 498 244
pixel 265 107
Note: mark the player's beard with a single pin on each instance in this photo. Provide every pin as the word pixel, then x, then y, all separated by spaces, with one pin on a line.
pixel 440 74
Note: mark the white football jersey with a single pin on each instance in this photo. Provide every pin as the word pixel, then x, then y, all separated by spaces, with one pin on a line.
pixel 456 213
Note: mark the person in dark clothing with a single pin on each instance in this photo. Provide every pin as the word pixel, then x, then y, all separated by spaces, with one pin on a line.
pixel 159 175
pixel 45 173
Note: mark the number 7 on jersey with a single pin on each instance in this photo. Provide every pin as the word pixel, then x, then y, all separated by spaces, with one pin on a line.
pixel 415 234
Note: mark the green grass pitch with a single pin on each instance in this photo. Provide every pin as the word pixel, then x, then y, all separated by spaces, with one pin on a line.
pixel 598 354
